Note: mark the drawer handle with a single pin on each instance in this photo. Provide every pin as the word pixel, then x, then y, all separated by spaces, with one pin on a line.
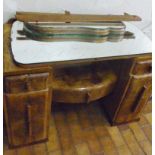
pixel 138 99
pixel 29 107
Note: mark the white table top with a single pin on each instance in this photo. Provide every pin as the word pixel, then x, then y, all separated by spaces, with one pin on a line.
pixel 32 52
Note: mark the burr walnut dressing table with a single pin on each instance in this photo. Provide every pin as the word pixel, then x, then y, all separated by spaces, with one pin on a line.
pixel 36 73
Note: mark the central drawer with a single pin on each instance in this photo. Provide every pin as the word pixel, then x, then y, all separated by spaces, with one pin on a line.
pixel 82 84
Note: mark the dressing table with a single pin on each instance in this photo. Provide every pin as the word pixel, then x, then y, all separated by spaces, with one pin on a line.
pixel 39 73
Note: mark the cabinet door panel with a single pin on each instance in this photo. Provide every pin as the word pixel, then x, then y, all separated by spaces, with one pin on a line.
pixel 16 111
pixel 135 98
pixel 38 115
pixel 142 98
pixel 27 115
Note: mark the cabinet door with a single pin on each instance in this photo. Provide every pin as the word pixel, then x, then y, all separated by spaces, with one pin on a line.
pixel 27 115
pixel 38 111
pixel 136 97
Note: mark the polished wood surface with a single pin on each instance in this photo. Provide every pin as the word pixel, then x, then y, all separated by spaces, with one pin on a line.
pixel 24 83
pixel 143 66
pixel 132 92
pixel 27 119
pixel 82 84
pixel 27 104
pixel 125 81
pixel 84 130
pixel 55 17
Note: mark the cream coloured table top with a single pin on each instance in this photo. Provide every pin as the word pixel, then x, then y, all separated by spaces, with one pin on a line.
pixel 32 52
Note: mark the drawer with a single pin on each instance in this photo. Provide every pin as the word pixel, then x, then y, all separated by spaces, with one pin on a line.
pixel 143 67
pixel 25 83
pixel 16 84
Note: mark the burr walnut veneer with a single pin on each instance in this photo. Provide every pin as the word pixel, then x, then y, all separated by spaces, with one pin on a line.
pixel 122 84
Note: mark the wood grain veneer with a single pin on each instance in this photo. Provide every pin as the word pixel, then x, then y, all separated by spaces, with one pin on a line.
pixel 49 17
pixel 28 91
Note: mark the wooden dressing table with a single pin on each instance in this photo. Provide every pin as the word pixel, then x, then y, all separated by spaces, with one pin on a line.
pixel 118 74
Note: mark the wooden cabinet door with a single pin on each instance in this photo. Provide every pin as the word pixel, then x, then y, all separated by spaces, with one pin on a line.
pixel 38 111
pixel 27 116
pixel 136 97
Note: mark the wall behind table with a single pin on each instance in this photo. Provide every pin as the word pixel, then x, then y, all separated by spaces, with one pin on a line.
pixel 138 7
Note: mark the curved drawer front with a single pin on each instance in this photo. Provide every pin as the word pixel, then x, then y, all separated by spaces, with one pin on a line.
pixel 83 87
